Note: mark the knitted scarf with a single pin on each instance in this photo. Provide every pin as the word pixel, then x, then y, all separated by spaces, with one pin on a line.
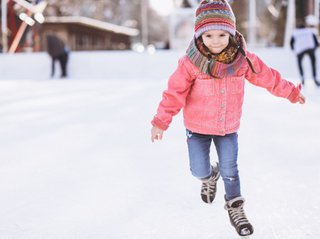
pixel 219 65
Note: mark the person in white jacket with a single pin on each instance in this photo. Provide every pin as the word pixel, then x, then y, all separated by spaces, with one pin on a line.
pixel 304 42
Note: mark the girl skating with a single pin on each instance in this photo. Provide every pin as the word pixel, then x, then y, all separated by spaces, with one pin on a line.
pixel 208 85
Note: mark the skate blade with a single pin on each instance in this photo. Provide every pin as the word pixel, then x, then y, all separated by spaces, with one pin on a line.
pixel 246 234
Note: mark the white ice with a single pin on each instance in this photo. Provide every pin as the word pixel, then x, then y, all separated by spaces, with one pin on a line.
pixel 76 161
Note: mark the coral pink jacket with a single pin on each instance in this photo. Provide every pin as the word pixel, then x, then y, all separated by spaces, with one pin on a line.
pixel 214 106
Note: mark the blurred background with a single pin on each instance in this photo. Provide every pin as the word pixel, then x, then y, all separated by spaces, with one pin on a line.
pixel 141 24
pixel 76 157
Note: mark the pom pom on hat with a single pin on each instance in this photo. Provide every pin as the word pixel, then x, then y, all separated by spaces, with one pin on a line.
pixel 214 15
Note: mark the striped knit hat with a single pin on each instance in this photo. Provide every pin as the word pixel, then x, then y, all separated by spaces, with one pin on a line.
pixel 214 15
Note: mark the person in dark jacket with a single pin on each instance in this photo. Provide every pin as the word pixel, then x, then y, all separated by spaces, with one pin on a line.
pixel 57 50
pixel 304 42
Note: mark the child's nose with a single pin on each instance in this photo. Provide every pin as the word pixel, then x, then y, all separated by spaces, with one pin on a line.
pixel 215 40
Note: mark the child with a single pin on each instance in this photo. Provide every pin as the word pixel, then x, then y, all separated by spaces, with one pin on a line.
pixel 209 85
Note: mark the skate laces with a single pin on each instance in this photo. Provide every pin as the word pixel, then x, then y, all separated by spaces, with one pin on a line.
pixel 209 185
pixel 237 213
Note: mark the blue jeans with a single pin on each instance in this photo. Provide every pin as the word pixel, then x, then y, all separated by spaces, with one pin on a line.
pixel 227 151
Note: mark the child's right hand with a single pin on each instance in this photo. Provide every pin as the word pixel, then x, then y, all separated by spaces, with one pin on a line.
pixel 156 133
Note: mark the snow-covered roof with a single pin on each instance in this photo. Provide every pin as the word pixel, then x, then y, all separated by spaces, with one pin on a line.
pixel 93 23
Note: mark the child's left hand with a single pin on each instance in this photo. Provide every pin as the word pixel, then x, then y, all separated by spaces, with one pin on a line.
pixel 296 96
pixel 301 99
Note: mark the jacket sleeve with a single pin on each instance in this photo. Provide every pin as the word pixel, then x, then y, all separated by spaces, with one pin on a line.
pixel 174 97
pixel 271 80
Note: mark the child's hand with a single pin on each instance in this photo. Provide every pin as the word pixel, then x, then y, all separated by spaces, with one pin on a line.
pixel 296 96
pixel 301 99
pixel 156 133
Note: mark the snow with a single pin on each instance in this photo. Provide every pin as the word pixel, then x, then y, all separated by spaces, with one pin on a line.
pixel 77 161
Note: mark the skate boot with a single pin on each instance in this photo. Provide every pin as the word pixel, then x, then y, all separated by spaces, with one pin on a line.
pixel 238 217
pixel 209 185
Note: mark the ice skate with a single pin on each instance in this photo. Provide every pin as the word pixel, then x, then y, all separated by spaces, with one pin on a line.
pixel 209 185
pixel 238 217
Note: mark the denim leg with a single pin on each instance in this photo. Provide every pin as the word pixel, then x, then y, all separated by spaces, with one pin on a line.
pixel 227 150
pixel 199 154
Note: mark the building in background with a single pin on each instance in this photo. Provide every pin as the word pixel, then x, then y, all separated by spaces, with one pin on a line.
pixel 84 34
pixel 83 24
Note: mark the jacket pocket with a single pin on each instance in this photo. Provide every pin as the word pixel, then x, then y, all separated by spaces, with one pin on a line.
pixel 203 87
pixel 236 85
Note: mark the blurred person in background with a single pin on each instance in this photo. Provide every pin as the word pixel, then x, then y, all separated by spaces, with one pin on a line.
pixel 304 42
pixel 58 51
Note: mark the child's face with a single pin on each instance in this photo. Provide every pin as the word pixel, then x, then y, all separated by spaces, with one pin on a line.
pixel 216 40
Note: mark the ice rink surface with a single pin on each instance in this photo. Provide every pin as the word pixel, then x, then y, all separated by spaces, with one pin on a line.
pixel 77 161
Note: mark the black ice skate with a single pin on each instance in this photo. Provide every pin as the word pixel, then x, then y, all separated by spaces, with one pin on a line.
pixel 238 217
pixel 209 185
